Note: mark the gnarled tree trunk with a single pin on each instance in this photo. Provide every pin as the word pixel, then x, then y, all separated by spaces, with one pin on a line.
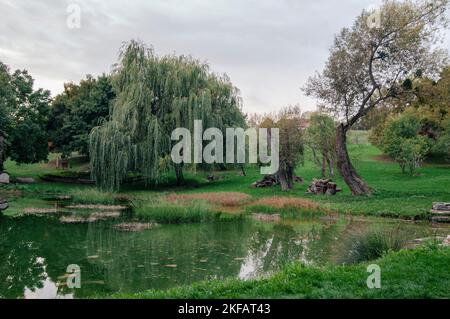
pixel 282 177
pixel 179 174
pixel 356 184
pixel 286 177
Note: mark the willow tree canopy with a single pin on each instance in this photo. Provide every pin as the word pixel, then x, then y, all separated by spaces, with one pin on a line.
pixel 155 95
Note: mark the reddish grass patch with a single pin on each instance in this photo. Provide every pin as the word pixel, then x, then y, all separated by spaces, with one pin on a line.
pixel 283 202
pixel 225 199
pixel 384 158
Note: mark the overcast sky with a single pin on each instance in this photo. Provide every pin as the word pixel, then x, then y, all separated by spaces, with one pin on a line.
pixel 267 47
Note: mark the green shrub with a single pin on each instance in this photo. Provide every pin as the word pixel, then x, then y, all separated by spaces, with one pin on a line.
pixel 402 142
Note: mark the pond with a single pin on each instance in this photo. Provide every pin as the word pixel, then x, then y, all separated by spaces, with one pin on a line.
pixel 35 252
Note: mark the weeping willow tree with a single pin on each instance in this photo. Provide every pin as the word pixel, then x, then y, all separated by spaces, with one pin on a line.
pixel 155 95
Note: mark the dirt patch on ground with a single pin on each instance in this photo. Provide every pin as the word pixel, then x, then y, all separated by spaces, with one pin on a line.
pixel 224 199
pixel 99 207
pixel 383 158
pixel 78 219
pixel 134 227
pixel 40 211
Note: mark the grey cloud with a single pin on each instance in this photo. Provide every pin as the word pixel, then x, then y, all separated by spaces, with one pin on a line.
pixel 267 47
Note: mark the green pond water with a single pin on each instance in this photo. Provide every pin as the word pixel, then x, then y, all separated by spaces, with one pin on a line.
pixel 35 252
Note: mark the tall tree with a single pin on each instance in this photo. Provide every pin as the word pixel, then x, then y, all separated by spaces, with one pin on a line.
pixel 370 64
pixel 77 110
pixel 291 146
pixel 24 113
pixel 321 138
pixel 6 102
pixel 155 95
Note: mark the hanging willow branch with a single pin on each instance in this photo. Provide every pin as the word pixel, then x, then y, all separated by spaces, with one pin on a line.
pixel 155 95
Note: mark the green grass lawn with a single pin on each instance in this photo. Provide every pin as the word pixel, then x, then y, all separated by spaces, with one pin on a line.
pixel 419 273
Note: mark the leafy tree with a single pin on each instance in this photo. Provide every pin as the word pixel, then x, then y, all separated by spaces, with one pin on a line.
pixel 433 96
pixel 369 65
pixel 401 141
pixel 24 116
pixel 155 95
pixel 321 138
pixel 6 102
pixel 291 145
pixel 77 110
pixel 428 100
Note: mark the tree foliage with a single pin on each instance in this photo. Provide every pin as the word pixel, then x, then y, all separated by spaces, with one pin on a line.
pixel 291 146
pixel 428 101
pixel 23 117
pixel 321 139
pixel 77 110
pixel 401 140
pixel 155 95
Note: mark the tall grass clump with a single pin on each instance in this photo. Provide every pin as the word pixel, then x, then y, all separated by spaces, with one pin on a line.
pixel 92 196
pixel 371 245
pixel 162 211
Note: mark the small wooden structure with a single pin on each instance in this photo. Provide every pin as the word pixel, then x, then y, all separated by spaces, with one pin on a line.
pixel 440 213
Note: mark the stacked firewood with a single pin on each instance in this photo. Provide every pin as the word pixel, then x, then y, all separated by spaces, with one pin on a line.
pixel 323 187
pixel 272 180
pixel 440 213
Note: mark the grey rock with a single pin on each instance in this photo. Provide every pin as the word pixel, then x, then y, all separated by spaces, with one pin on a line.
pixel 3 205
pixel 4 178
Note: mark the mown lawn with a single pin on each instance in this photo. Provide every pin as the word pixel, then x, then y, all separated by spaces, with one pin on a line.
pixel 419 273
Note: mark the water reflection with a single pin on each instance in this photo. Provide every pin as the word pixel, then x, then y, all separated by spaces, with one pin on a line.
pixel 35 253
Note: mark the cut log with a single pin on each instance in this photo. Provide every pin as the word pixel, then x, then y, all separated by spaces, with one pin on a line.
pixel 440 219
pixel 441 207
pixel 440 212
